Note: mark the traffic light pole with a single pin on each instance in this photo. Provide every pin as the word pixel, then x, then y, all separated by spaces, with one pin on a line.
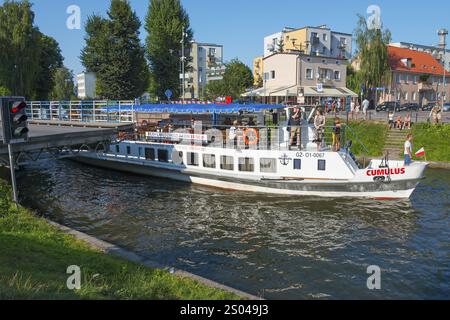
pixel 13 173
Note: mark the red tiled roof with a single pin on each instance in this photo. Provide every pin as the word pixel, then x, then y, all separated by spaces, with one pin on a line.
pixel 421 62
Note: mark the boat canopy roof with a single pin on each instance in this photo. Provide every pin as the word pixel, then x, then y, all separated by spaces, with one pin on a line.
pixel 194 108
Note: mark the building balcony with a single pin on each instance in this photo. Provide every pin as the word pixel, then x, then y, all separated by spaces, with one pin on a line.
pixel 425 86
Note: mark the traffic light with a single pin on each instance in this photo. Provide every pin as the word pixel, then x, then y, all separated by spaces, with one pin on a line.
pixel 14 120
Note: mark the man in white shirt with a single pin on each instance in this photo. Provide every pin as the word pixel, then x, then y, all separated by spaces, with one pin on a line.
pixel 365 106
pixel 408 149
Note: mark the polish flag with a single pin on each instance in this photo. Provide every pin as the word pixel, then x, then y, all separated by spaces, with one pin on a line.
pixel 420 153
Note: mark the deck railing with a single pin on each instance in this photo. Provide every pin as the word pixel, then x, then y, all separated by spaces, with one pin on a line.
pixel 82 111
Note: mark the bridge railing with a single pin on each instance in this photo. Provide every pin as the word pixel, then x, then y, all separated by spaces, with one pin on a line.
pixel 82 111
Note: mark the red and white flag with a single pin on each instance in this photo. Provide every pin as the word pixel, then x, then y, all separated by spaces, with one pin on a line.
pixel 420 153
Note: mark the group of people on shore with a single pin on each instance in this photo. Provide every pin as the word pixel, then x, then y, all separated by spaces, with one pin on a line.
pixel 399 122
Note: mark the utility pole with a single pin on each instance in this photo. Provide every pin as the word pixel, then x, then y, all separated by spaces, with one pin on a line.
pixel 443 44
pixel 183 65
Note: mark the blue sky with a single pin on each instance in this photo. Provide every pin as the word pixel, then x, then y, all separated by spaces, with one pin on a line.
pixel 240 25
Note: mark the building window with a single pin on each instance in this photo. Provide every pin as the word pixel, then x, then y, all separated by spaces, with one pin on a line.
pixel 226 163
pixel 309 74
pixel 415 79
pixel 414 96
pixel 272 74
pixel 325 37
pixel 192 159
pixel 343 41
pixel 163 156
pixel 399 95
pixel 337 75
pixel 297 164
pixel 209 161
pixel 397 78
pixel 322 165
pixel 406 78
pixel 406 96
pixel 246 164
pixel 324 50
pixel 268 165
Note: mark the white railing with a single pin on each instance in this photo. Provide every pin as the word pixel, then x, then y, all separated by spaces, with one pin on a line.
pixel 83 111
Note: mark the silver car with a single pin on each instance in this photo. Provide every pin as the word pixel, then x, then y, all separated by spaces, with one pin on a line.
pixel 446 107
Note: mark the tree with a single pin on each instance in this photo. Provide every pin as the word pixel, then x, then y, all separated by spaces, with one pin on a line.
pixel 236 79
pixel 94 54
pixel 371 50
pixel 280 46
pixel 20 51
pixel 64 84
pixel 114 52
pixel 354 79
pixel 165 22
pixel 50 60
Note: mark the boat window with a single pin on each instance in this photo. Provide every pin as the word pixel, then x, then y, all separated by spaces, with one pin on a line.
pixel 177 157
pixel 149 153
pixel 209 161
pixel 117 148
pixel 163 156
pixel 297 164
pixel 128 150
pixel 227 163
pixel 268 165
pixel 192 159
pixel 246 164
pixel 322 165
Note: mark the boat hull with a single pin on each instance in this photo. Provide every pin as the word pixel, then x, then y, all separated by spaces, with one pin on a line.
pixel 383 191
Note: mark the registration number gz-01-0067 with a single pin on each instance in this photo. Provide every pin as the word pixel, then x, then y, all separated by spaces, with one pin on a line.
pixel 317 155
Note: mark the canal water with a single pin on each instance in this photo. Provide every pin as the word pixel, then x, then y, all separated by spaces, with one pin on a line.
pixel 271 246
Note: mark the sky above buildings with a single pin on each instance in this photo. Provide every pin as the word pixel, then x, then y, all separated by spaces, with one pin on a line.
pixel 240 25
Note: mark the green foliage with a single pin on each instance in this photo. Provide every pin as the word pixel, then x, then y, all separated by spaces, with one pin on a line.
pixel 50 60
pixel 371 50
pixel 28 58
pixel 236 79
pixel 435 139
pixel 64 85
pixel 164 24
pixel 114 52
pixel 35 256
pixel 354 80
pixel 19 48
pixel 372 135
pixel 4 91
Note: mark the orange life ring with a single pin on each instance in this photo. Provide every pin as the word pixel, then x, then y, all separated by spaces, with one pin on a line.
pixel 253 132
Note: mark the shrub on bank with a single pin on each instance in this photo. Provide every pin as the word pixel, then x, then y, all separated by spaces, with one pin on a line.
pixel 435 139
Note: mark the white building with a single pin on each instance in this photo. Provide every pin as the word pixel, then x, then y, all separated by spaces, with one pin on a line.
pixel 435 51
pixel 207 65
pixel 86 83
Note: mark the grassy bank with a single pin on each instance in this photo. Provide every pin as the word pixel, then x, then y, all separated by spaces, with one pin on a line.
pixel 435 140
pixel 34 257
pixel 371 134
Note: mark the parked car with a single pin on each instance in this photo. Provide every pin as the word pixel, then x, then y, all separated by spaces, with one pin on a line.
pixel 428 107
pixel 388 106
pixel 446 107
pixel 409 107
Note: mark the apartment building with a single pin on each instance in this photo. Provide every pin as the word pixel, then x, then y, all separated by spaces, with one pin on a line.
pixel 417 77
pixel 436 51
pixel 86 83
pixel 301 78
pixel 207 65
pixel 319 41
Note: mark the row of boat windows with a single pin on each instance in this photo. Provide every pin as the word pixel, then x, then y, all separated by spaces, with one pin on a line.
pixel 267 165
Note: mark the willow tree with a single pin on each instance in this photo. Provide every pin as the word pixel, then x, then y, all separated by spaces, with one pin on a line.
pixel 20 48
pixel 372 53
pixel 165 22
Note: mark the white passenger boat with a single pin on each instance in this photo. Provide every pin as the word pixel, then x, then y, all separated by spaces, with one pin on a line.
pixel 271 168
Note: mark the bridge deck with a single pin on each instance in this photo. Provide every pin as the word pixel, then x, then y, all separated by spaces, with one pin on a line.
pixel 52 135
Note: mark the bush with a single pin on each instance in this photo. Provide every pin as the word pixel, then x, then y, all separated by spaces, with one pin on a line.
pixel 435 139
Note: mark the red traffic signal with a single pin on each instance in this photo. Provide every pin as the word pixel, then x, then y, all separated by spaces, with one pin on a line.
pixel 18 106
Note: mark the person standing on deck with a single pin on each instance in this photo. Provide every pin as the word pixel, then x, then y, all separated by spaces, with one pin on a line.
pixel 295 122
pixel 319 125
pixel 408 149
